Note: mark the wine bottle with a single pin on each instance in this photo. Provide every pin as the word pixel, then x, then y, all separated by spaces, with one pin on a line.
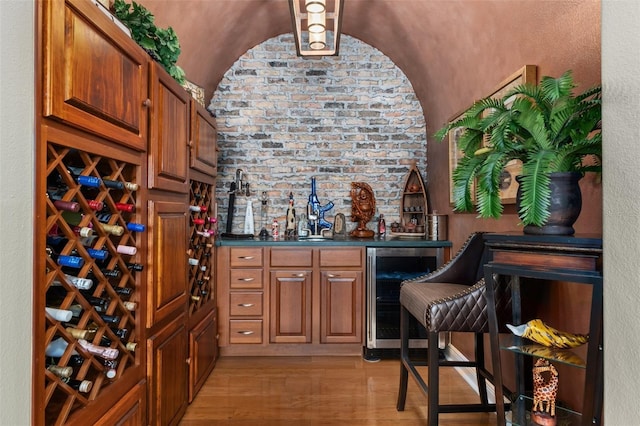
pixel 110 367
pixel 83 386
pixel 130 306
pixel 123 291
pixel 77 282
pixel 106 353
pixel 78 333
pixel 60 204
pixel 85 180
pixel 193 261
pixel 62 315
pixel 78 311
pixel 56 347
pixel 198 209
pixel 137 267
pixel 65 260
pixel 114 184
pixel 60 371
pixel 74 361
pixel 116 230
pixel 124 207
pixel 60 242
pixel 135 227
pixel 197 221
pixel 128 250
pixel 128 185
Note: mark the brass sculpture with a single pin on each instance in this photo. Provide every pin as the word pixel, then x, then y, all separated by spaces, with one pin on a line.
pixel 363 207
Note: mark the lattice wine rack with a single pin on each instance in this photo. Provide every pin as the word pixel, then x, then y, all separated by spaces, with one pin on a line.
pixel 203 229
pixel 93 234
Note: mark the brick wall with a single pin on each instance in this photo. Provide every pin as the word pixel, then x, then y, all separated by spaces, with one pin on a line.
pixel 283 119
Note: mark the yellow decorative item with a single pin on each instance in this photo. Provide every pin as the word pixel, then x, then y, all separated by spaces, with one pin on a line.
pixel 541 333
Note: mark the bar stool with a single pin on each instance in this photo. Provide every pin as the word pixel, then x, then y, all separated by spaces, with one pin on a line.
pixel 451 298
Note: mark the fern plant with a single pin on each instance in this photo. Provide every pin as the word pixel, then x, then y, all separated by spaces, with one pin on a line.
pixel 160 43
pixel 545 126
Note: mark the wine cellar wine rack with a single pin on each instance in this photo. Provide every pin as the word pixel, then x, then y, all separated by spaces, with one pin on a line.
pixel 203 228
pixel 93 234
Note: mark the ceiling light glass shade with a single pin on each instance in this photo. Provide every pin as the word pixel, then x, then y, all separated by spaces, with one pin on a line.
pixel 316 22
pixel 317 25
pixel 317 41
pixel 315 6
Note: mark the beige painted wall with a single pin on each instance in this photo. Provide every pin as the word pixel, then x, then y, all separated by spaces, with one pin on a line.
pixel 17 142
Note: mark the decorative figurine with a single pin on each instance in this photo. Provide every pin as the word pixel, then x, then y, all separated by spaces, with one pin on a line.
pixel 363 207
pixel 315 212
pixel 339 226
pixel 290 230
pixel 275 229
pixel 541 333
pixel 545 390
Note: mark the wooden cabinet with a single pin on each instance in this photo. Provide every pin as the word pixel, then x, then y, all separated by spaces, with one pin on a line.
pixel 168 373
pixel 95 77
pixel 131 410
pixel 167 291
pixel 204 137
pixel 169 133
pixel 203 352
pixel 312 303
pixel 341 295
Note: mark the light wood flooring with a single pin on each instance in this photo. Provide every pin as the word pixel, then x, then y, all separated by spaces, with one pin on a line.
pixel 310 391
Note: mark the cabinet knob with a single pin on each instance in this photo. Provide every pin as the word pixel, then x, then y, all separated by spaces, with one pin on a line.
pixel 146 102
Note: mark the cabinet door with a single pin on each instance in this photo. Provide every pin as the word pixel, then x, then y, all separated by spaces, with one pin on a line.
pixel 131 410
pixel 341 301
pixel 169 138
pixel 203 352
pixel 95 75
pixel 168 285
pixel 168 373
pixel 204 137
pixel 290 307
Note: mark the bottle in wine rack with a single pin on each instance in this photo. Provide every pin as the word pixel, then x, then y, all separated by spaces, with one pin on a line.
pixel 77 282
pixel 125 184
pixel 78 333
pixel 197 221
pixel 60 204
pixel 124 207
pixel 56 348
pixel 198 209
pixel 65 260
pixel 62 315
pixel 77 311
pixel 84 180
pixel 60 371
pixel 74 361
pixel 135 227
pixel 123 291
pixel 83 386
pixel 128 250
pixel 60 242
pixel 137 267
pixel 106 353
pixel 110 367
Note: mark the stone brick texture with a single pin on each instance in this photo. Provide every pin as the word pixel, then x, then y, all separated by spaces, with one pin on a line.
pixel 283 119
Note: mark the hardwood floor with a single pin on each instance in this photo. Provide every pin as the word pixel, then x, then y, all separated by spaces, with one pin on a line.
pixel 310 391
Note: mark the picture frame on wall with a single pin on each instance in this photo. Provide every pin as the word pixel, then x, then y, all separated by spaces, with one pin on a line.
pixel 509 186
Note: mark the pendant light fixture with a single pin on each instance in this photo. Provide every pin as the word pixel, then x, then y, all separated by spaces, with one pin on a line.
pixel 316 26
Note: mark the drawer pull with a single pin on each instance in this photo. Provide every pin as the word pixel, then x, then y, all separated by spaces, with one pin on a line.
pixel 245 332
pixel 246 279
pixel 297 275
pixel 245 257
pixel 245 305
pixel 333 275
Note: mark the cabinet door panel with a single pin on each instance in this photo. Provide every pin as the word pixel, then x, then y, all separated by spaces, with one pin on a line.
pixel 131 410
pixel 341 307
pixel 169 139
pixel 203 352
pixel 167 290
pixel 204 137
pixel 290 307
pixel 95 76
pixel 168 373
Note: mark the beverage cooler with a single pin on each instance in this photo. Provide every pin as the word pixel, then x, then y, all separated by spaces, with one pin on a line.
pixel 386 269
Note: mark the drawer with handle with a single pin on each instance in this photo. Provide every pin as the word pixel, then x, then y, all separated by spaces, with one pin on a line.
pixel 245 257
pixel 245 331
pixel 245 278
pixel 245 304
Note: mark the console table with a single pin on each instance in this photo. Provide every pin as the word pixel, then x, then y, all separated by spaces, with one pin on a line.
pixel 556 258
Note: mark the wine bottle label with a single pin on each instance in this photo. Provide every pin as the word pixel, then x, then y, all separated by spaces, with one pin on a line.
pixel 135 227
pixel 95 205
pixel 113 184
pixel 90 181
pixel 62 315
pixel 123 207
pixel 63 372
pixel 70 206
pixel 112 229
pixel 129 250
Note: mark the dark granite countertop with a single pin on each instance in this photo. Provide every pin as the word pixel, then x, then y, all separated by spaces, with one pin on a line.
pixel 348 241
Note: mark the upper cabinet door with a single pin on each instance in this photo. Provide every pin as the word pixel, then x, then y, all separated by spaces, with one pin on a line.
pixel 169 138
pixel 95 75
pixel 204 137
